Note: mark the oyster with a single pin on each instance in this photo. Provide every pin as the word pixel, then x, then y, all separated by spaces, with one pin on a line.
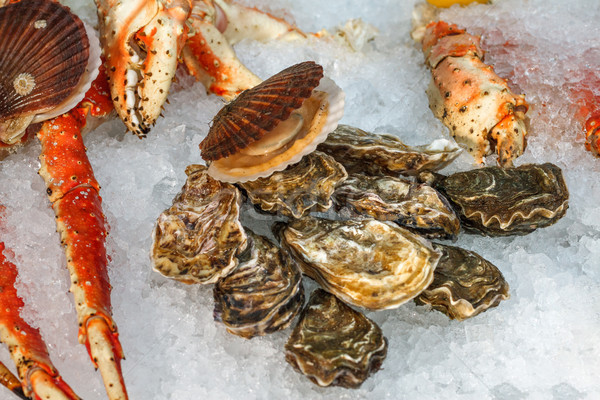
pixel 415 206
pixel 464 284
pixel 47 63
pixel 262 294
pixel 197 238
pixel 497 202
pixel 334 345
pixel 273 124
pixel 368 263
pixel 369 153
pixel 300 188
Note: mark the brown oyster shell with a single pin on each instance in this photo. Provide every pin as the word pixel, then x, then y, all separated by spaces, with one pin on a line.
pixel 374 154
pixel 368 263
pixel 262 294
pixel 197 238
pixel 415 206
pixel 496 201
pixel 273 124
pixel 464 284
pixel 334 345
pixel 300 188
pixel 42 61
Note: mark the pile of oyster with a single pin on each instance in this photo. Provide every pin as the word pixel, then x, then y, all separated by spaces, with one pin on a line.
pixel 373 253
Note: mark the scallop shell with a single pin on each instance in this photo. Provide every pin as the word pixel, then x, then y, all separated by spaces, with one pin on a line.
pixel 197 238
pixel 334 345
pixel 498 201
pixel 262 294
pixel 300 188
pixel 415 206
pixel 258 111
pixel 464 284
pixel 380 154
pixel 368 263
pixel 42 64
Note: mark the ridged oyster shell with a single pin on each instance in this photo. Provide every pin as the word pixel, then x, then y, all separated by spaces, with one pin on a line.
pixel 464 284
pixel 373 154
pixel 300 188
pixel 496 201
pixel 262 294
pixel 416 206
pixel 368 263
pixel 334 345
pixel 47 62
pixel 273 125
pixel 197 238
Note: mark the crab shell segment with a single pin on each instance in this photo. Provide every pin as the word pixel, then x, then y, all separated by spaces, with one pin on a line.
pixel 142 40
pixel 592 134
pixel 466 94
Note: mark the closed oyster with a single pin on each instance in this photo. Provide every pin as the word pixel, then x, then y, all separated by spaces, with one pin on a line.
pixel 368 263
pixel 416 206
pixel 273 125
pixel 197 238
pixel 300 188
pixel 262 294
pixel 47 63
pixel 498 202
pixel 334 345
pixel 369 153
pixel 464 284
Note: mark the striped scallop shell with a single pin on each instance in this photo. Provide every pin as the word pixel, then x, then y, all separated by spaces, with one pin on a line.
pixel 255 112
pixel 44 52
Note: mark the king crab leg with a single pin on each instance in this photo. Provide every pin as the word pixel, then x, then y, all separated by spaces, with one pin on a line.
pixel 74 194
pixel 38 378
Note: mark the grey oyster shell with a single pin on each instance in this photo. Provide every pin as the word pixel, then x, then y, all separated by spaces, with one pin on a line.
pixel 368 263
pixel 497 202
pixel 334 345
pixel 262 294
pixel 416 206
pixel 300 188
pixel 197 238
pixel 368 153
pixel 464 284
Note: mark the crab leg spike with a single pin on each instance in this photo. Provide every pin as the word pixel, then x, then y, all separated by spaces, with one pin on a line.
pixel 38 376
pixel 141 40
pixel 10 381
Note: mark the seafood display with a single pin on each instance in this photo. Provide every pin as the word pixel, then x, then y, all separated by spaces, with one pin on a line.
pixel 197 238
pixel 416 207
pixel 300 188
pixel 497 202
pixel 483 115
pixel 273 125
pixel 464 284
pixel 367 263
pixel 262 294
pixel 232 253
pixel 368 153
pixel 334 345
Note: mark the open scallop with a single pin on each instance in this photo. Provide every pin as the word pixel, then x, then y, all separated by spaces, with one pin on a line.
pixel 273 124
pixel 46 66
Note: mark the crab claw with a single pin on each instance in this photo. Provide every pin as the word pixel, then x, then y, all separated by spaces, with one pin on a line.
pixel 141 40
pixel 216 25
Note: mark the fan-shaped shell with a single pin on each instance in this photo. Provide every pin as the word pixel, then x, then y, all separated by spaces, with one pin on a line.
pixel 273 125
pixel 44 53
pixel 256 111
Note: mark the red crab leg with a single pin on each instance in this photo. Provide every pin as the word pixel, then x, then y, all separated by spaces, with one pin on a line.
pixel 217 25
pixel 73 192
pixel 39 378
pixel 589 109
